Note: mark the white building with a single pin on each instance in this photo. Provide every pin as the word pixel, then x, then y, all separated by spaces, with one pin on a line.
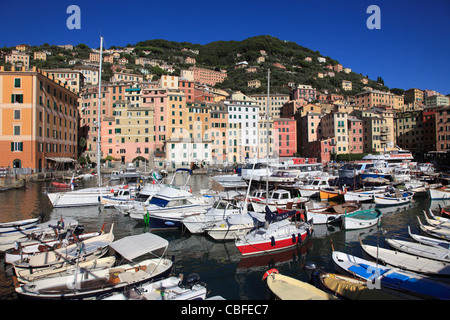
pixel 90 74
pixel 246 114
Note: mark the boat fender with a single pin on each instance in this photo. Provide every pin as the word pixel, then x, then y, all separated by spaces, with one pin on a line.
pixel 269 272
pixel 272 241
pixel 293 238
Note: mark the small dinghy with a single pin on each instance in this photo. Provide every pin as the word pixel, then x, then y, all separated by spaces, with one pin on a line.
pixel 394 198
pixel 287 288
pixel 361 219
pixel 420 250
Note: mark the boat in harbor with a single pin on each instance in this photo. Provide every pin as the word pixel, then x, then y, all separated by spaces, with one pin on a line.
pixel 18 225
pixel 435 242
pixel 329 213
pixel 407 284
pixel 94 283
pixel 439 193
pixel 408 262
pixel 364 195
pixel 332 193
pixel 393 198
pixel 168 289
pixel 279 198
pixel 360 219
pixel 277 234
pixel 288 288
pixel 421 250
pixel 218 212
pixel 435 231
pixel 89 249
pixel 312 188
pixel 168 208
pixel 353 170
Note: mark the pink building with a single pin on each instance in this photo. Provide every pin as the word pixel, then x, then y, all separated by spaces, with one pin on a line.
pixel 157 98
pixel 321 149
pixel 310 130
pixel 286 129
pixel 355 135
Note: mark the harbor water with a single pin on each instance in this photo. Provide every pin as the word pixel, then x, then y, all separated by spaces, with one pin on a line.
pixel 219 264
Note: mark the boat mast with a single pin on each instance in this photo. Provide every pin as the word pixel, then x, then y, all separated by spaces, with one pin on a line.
pixel 267 137
pixel 99 114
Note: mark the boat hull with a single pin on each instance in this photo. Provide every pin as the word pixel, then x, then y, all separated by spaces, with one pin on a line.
pixel 361 219
pixel 439 194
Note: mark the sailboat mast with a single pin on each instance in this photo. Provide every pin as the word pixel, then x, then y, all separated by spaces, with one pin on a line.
pixel 267 137
pixel 99 115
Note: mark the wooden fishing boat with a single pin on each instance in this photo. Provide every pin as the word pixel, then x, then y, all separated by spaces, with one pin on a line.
pixel 394 198
pixel 441 233
pixel 90 249
pixel 331 193
pixel 429 241
pixel 99 282
pixel 404 283
pixel 287 288
pixel 22 252
pixel 438 218
pixel 363 195
pixel 13 226
pixel 408 262
pixel 441 224
pixel 439 193
pixel 352 288
pixel 331 213
pixel 26 276
pixel 361 219
pixel 421 250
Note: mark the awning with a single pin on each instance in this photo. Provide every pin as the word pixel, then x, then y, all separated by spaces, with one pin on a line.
pixel 64 160
pixel 135 246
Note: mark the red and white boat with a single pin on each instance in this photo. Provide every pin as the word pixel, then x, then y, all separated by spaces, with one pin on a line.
pixel 275 236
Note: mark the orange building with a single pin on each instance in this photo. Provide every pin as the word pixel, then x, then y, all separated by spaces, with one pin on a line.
pixel 39 120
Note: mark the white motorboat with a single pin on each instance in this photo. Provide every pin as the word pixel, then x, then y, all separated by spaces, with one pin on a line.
pixel 394 198
pixel 439 193
pixel 312 188
pixel 94 283
pixel 279 198
pixel 168 208
pixel 218 212
pixel 171 288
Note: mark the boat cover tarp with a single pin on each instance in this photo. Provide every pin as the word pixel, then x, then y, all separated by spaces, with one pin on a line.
pixel 132 247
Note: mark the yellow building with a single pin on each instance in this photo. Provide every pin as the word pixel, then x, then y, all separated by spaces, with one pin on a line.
pixel 40 56
pixel 74 79
pixel 39 120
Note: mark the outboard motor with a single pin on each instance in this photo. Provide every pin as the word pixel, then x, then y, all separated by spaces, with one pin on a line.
pixel 192 279
pixel 310 268
pixel 79 229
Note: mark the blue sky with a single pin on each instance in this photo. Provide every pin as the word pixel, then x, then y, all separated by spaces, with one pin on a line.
pixel 411 49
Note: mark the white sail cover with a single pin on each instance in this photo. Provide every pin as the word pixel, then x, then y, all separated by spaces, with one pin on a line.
pixel 135 246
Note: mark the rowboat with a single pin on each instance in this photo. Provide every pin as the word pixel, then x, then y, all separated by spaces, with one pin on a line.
pixel 7 227
pixel 25 276
pixel 441 233
pixel 330 214
pixel 276 236
pixel 421 250
pixel 429 241
pixel 95 283
pixel 170 288
pixel 331 193
pixel 441 224
pixel 407 261
pixel 352 288
pixel 401 282
pixel 361 219
pixel 439 193
pixel 363 195
pixel 92 248
pixel 287 288
pixel 21 252
pixel 438 218
pixel 395 198
pixel 40 232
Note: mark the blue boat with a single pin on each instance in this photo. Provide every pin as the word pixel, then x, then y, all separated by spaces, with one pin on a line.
pixel 409 285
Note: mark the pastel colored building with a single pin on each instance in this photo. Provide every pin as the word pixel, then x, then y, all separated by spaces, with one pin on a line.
pixel 39 121
pixel 443 129
pixel 40 56
pixel 303 92
pixel 286 129
pixel 74 79
pixel 207 76
pixel 18 59
pixel 355 135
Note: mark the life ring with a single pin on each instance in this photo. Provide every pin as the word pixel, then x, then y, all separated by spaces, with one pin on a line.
pixel 269 272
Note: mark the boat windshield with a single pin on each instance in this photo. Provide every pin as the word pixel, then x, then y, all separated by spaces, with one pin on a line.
pixel 221 205
pixel 159 202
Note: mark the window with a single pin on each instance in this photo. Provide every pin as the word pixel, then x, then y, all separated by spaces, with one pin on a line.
pixel 16 114
pixel 17 98
pixel 16 146
pixel 17 130
pixel 17 83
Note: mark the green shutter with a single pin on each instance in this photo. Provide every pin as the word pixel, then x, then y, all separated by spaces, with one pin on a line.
pixel 12 146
